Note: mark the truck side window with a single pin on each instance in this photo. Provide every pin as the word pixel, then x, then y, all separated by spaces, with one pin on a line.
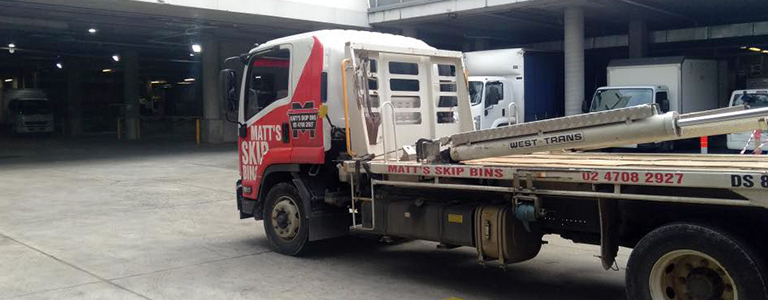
pixel 268 80
pixel 494 92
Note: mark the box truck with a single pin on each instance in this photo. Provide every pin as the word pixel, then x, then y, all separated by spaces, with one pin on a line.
pixel 510 86
pixel 28 111
pixel 675 84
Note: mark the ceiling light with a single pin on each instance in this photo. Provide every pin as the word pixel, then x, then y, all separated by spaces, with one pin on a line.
pixel 107 71
pixel 158 82
pixel 9 80
pixel 92 30
pixel 191 54
pixel 116 57
pixel 11 45
pixel 755 49
pixel 189 80
pixel 743 47
pixel 765 51
pixel 183 82
pixel 59 65
pixel 197 48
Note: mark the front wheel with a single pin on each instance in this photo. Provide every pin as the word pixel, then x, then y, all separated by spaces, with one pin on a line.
pixel 693 262
pixel 285 220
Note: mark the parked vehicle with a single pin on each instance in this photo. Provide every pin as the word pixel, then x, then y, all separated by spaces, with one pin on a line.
pixel 674 83
pixel 747 140
pixel 510 86
pixel 341 132
pixel 28 111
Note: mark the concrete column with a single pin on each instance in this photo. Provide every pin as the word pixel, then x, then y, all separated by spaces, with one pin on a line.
pixel 482 44
pixel 213 124
pixel 573 45
pixel 74 125
pixel 131 94
pixel 410 32
pixel 638 39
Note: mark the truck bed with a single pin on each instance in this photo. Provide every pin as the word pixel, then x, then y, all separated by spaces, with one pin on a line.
pixel 693 178
pixel 631 161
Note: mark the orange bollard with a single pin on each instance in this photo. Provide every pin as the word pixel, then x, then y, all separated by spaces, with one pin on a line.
pixel 704 142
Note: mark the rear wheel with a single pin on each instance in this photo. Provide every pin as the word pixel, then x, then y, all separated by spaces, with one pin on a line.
pixel 285 220
pixel 693 262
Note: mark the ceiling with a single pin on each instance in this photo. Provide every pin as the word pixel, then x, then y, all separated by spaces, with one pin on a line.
pixel 542 20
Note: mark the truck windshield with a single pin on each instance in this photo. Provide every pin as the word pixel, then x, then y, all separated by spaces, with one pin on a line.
pixel 753 100
pixel 475 92
pixel 608 99
pixel 33 107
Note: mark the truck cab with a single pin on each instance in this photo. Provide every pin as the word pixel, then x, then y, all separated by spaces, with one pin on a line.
pixel 614 97
pixel 755 98
pixel 28 111
pixel 493 103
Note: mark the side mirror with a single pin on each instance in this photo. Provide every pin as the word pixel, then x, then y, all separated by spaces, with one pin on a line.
pixel 585 106
pixel 664 105
pixel 228 88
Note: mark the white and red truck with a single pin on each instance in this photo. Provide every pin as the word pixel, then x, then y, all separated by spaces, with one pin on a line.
pixel 347 132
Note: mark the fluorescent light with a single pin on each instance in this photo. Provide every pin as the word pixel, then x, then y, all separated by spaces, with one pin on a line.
pixel 116 57
pixel 191 54
pixel 197 48
pixel 9 80
pixel 59 65
pixel 183 82
pixel 755 49
pixel 107 71
pixel 189 80
pixel 765 51
pixel 92 30
pixel 11 45
pixel 158 82
pixel 743 47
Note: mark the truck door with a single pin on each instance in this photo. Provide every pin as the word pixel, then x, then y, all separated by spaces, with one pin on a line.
pixel 494 99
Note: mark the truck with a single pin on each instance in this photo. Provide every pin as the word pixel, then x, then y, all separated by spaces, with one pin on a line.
pixel 748 141
pixel 28 111
pixel 676 84
pixel 342 132
pixel 510 86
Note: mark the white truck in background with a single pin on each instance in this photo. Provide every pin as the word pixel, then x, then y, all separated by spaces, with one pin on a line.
pixel 510 86
pixel 674 83
pixel 755 98
pixel 28 111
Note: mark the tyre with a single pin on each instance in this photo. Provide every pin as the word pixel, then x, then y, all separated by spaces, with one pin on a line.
pixel 285 220
pixel 693 262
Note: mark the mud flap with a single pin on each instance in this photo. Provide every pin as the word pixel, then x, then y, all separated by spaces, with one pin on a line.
pixel 325 223
pixel 609 248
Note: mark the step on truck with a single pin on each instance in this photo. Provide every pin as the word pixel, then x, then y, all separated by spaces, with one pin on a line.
pixel 347 132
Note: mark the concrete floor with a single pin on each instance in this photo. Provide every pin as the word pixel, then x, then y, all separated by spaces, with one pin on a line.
pixel 99 219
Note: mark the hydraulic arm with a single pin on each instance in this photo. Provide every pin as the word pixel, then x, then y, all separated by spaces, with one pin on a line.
pixel 633 125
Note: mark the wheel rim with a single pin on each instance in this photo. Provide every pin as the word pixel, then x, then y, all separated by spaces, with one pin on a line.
pixel 690 275
pixel 285 218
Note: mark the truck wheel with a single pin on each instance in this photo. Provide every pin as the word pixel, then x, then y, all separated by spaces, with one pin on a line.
pixel 693 262
pixel 284 220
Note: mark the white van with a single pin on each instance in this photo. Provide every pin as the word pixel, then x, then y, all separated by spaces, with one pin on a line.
pixel 753 99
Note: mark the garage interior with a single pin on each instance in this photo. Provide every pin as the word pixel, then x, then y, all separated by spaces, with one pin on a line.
pixel 128 70
pixel 120 202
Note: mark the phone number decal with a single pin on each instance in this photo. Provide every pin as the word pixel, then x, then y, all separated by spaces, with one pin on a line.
pixel 634 177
